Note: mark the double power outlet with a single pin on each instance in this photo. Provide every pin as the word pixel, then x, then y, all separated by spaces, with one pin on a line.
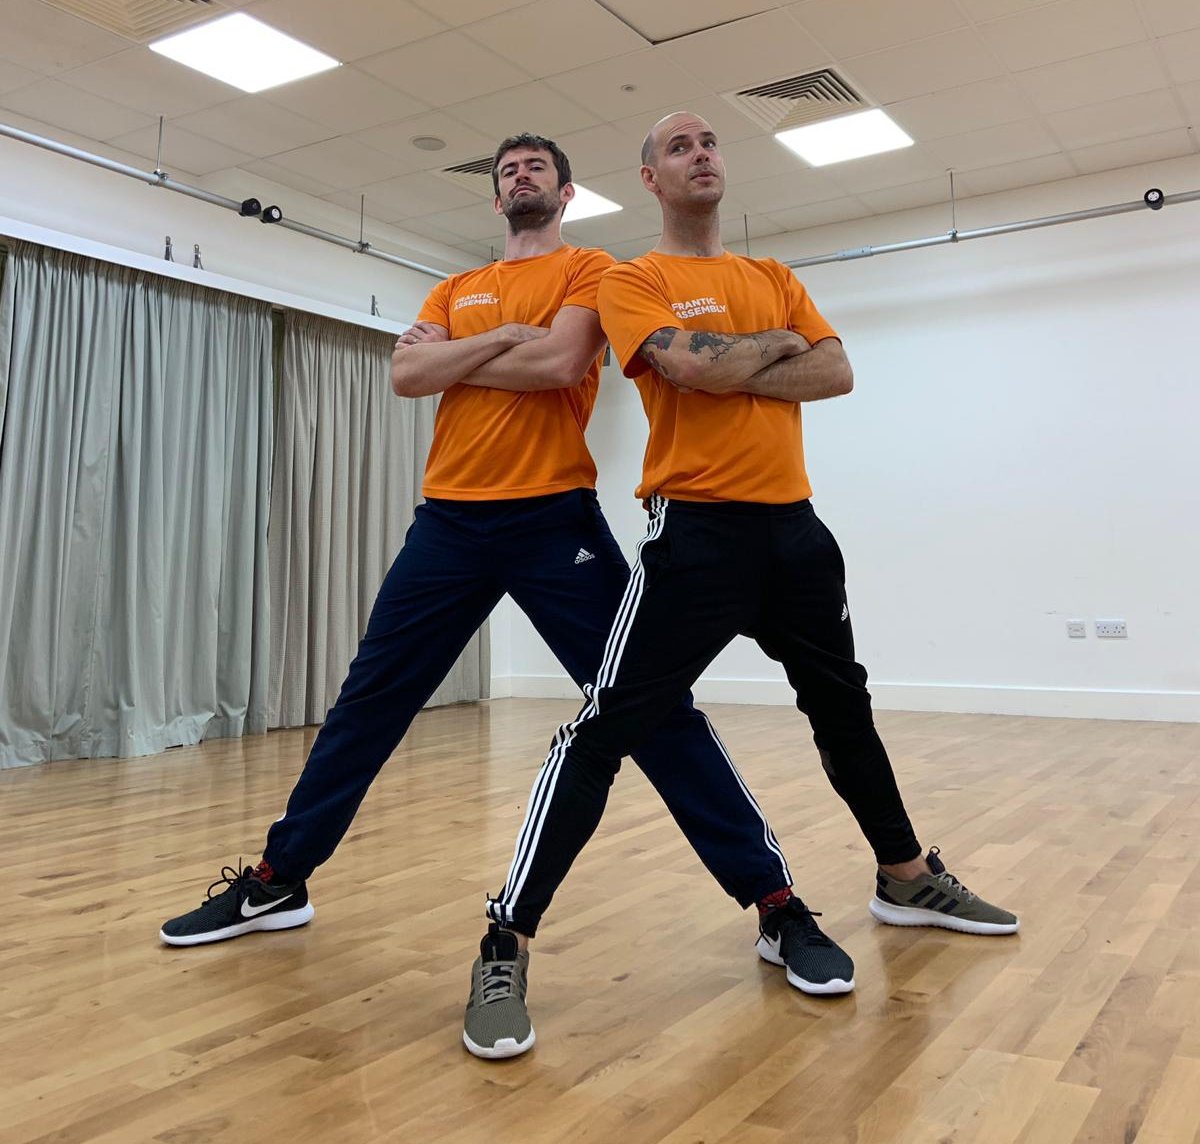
pixel 1105 629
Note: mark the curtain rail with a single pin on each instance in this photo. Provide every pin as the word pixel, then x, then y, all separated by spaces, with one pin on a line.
pixel 1153 200
pixel 162 179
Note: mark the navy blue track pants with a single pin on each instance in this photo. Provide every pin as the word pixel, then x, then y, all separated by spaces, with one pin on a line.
pixel 459 558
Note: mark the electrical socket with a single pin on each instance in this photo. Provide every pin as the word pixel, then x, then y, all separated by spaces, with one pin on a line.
pixel 1077 629
pixel 1111 630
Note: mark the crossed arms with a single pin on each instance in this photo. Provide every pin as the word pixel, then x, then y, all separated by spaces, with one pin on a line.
pixel 513 356
pixel 773 363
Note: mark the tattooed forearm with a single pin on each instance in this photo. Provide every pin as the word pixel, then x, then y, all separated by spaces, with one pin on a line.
pixel 655 347
pixel 717 344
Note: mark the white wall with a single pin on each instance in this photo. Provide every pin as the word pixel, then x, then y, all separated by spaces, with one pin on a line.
pixel 1020 449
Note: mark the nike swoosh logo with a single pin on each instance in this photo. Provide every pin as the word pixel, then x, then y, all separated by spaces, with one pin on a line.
pixel 249 911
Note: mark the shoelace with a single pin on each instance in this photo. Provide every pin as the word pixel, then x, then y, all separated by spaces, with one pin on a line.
pixel 796 913
pixel 954 885
pixel 498 982
pixel 230 877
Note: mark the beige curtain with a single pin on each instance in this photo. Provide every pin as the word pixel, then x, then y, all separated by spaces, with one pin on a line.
pixel 135 453
pixel 349 456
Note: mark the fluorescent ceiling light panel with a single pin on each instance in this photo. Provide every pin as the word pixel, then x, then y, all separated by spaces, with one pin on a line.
pixel 587 204
pixel 244 52
pixel 847 137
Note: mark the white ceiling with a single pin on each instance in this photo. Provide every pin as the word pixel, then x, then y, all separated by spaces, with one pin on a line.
pixel 1008 93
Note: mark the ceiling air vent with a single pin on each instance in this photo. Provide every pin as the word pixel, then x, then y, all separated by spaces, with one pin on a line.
pixel 798 100
pixel 475 175
pixel 140 20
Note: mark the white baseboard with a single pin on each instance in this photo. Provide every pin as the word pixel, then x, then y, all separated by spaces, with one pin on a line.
pixel 958 698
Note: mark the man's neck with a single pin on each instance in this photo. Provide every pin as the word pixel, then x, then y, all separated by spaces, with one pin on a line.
pixel 531 243
pixel 691 235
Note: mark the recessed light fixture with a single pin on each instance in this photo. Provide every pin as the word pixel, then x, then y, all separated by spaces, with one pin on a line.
pixel 427 143
pixel 587 204
pixel 847 137
pixel 244 52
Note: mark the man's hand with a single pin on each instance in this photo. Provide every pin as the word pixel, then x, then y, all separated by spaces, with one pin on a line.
pixel 422 332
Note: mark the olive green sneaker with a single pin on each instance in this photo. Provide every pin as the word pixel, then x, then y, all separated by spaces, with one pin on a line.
pixel 937 899
pixel 496 1023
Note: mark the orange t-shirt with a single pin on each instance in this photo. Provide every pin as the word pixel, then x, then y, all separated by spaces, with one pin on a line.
pixel 492 444
pixel 705 446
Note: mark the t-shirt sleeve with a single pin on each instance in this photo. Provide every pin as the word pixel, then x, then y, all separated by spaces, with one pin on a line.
pixel 587 268
pixel 632 307
pixel 437 306
pixel 803 317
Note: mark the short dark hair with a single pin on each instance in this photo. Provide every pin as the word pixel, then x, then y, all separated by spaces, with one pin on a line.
pixel 533 143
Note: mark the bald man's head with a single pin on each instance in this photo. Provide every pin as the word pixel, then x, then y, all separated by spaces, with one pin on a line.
pixel 656 134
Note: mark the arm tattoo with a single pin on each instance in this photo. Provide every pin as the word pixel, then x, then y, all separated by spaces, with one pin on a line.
pixel 717 344
pixel 659 340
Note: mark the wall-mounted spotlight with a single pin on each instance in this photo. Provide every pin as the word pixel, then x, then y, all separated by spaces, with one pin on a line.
pixel 1154 199
pixel 250 208
pixel 271 214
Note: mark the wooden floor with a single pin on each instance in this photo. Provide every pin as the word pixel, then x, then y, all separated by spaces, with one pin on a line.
pixel 656 1021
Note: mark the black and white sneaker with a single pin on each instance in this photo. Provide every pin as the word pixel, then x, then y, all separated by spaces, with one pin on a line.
pixel 788 935
pixel 250 901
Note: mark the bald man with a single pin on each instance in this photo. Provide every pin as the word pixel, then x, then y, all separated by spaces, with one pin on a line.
pixel 724 351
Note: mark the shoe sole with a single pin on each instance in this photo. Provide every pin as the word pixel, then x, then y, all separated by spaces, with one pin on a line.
pixel 505 1047
pixel 915 916
pixel 287 919
pixel 828 988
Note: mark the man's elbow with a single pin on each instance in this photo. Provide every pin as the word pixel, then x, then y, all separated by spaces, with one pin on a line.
pixel 845 380
pixel 403 385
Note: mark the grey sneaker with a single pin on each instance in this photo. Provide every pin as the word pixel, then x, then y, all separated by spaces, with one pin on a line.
pixel 496 1023
pixel 939 899
pixel 789 935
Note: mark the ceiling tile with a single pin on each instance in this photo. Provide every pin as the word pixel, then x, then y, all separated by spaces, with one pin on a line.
pixel 854 29
pixel 624 251
pixel 669 19
pixel 553 36
pixel 761 158
pixel 1130 152
pixel 340 163
pixel 269 169
pixel 730 124
pixel 254 126
pixel 463 143
pixel 1148 114
pixel 994 9
pixel 371 27
pixel 821 214
pixel 13 77
pixel 456 12
pixel 1007 143
pixel 445 69
pixel 735 225
pixel 954 59
pixel 656 79
pixel 428 226
pixel 49 40
pixel 532 107
pixel 894 169
pixel 1094 79
pixel 925 193
pixel 772 195
pixel 152 84
pixel 181 150
pixel 624 187
pixel 601 150
pixel 413 195
pixel 752 51
pixel 1024 173
pixel 54 102
pixel 973 107
pixel 1063 30
pixel 621 226
pixel 1182 54
pixel 476 222
pixel 1167 16
pixel 345 99
pixel 1190 94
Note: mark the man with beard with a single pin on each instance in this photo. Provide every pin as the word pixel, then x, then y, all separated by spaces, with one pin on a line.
pixel 724 350
pixel 514 348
